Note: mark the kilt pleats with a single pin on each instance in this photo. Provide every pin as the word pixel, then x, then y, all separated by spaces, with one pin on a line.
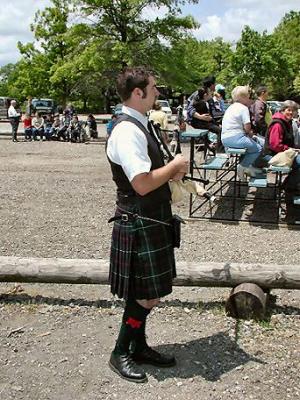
pixel 142 262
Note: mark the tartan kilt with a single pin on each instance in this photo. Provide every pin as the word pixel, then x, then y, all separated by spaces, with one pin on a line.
pixel 142 262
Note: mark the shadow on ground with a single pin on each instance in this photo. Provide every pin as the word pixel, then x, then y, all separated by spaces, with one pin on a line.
pixel 23 298
pixel 209 357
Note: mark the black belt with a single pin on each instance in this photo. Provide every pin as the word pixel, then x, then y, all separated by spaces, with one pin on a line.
pixel 127 216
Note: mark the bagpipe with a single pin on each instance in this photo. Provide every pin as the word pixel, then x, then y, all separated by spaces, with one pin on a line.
pixel 188 183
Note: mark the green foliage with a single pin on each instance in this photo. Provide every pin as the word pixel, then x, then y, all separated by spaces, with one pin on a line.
pixel 258 59
pixel 6 79
pixel 80 46
pixel 184 65
pixel 287 35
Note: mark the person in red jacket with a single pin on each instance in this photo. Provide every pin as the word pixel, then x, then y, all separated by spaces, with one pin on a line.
pixel 27 123
pixel 280 133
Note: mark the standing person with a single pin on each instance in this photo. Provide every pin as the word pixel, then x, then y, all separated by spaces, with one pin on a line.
pixel 220 96
pixel 258 112
pixel 14 117
pixel 142 264
pixel 29 106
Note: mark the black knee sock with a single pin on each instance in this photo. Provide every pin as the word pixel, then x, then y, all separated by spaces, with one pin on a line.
pixel 133 326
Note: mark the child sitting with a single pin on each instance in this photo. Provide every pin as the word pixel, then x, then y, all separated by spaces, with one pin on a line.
pixel 27 123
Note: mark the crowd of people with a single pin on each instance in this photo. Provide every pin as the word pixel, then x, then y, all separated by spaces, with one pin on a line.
pixel 245 123
pixel 45 127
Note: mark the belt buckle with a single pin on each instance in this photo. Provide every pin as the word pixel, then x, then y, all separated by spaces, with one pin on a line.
pixel 124 217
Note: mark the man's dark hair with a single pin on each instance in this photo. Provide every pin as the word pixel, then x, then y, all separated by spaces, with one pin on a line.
pixel 201 93
pixel 261 89
pixel 208 81
pixel 132 78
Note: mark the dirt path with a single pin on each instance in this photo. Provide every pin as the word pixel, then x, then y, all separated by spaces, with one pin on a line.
pixel 55 340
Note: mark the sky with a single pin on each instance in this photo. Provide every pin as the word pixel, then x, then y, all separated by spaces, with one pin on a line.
pixel 223 18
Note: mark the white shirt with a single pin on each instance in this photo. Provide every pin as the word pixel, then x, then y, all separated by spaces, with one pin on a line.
pixel 12 112
pixel 235 117
pixel 127 145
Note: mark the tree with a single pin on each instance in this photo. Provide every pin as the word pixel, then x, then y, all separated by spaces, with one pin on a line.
pixel 6 73
pixel 287 34
pixel 127 35
pixel 40 59
pixel 259 59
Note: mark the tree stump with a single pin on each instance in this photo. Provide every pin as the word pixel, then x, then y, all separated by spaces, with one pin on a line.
pixel 246 301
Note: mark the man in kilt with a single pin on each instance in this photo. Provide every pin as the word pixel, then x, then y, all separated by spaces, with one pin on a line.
pixel 142 264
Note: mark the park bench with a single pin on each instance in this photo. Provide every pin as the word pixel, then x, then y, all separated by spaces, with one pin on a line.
pixel 220 170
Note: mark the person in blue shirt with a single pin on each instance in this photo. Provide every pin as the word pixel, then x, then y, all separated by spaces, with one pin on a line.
pixel 110 124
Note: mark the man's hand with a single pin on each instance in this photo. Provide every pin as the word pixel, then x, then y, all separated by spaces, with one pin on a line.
pixel 177 177
pixel 206 117
pixel 182 166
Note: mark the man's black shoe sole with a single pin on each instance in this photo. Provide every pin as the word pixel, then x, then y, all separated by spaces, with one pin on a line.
pixel 155 364
pixel 114 369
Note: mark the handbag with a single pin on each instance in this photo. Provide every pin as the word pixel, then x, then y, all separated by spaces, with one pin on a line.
pixel 284 158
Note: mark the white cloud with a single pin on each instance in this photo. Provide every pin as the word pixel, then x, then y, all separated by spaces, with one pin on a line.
pixel 15 19
pixel 152 12
pixel 227 19
pixel 258 14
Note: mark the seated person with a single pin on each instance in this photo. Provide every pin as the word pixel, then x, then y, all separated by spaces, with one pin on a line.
pixel 48 122
pixel 160 119
pixel 91 123
pixel 280 135
pixel 76 130
pixel 55 127
pixel 202 118
pixel 27 123
pixel 38 126
pixel 237 131
pixel 63 132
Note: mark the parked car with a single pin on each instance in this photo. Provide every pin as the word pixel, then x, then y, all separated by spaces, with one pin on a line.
pixel 274 105
pixel 4 104
pixel 117 109
pixel 44 106
pixel 165 106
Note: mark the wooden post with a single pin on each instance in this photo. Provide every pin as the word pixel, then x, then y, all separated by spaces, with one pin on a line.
pixel 246 301
pixel 95 271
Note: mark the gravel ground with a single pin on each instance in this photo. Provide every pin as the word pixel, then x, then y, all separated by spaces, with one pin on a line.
pixel 55 340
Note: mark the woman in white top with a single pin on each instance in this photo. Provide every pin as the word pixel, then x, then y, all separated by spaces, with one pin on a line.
pixel 237 131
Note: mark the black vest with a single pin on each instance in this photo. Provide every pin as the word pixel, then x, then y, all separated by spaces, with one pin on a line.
pixel 125 191
pixel 288 137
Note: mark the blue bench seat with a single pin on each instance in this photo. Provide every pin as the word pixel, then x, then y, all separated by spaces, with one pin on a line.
pixel 283 170
pixel 259 181
pixel 296 200
pixel 216 163
pixel 194 133
pixel 235 151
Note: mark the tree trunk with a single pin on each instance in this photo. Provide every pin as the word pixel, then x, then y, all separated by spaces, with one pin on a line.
pixel 95 271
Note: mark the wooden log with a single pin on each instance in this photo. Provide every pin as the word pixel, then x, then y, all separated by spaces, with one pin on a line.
pixel 246 301
pixel 95 271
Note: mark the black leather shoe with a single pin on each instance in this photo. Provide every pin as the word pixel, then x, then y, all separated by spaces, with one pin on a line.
pixel 150 356
pixel 124 366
